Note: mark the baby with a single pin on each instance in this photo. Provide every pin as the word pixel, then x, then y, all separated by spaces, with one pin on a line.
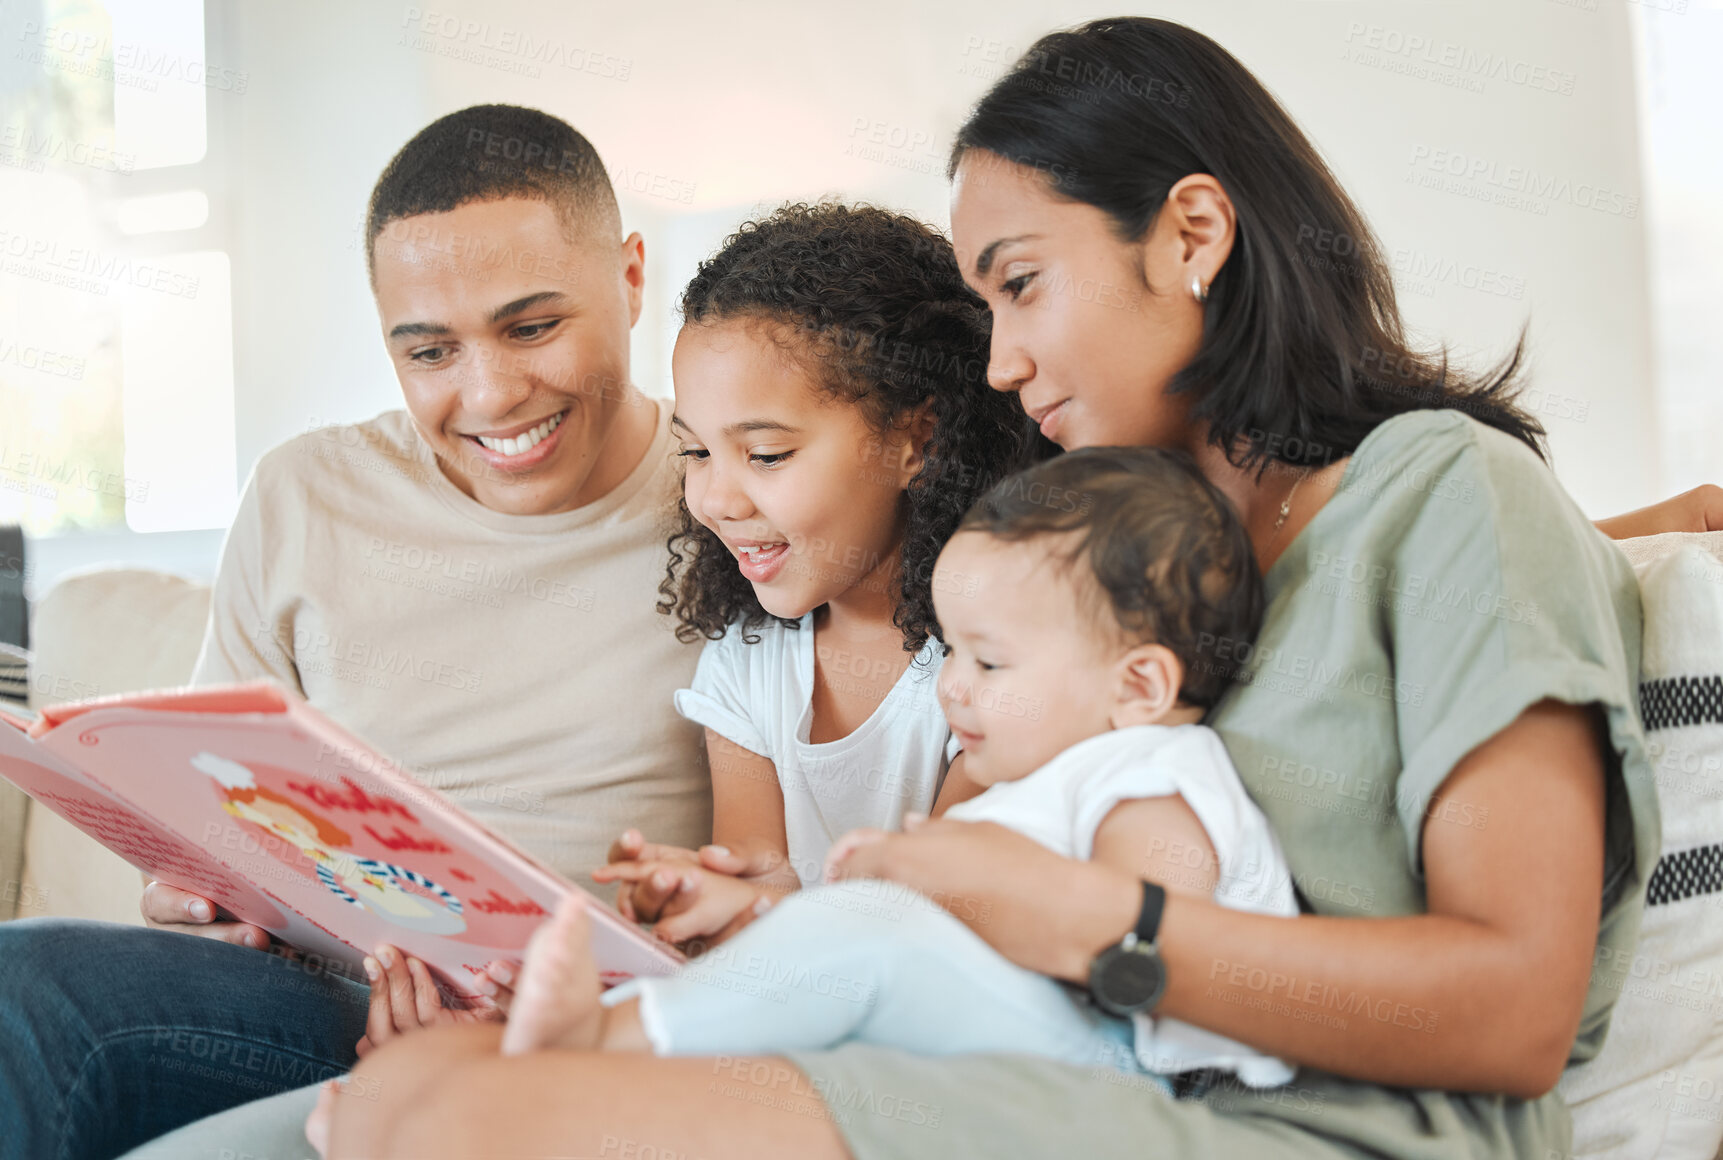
pixel 1072 602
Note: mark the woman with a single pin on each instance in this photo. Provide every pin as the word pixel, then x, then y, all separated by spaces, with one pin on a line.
pixel 1438 716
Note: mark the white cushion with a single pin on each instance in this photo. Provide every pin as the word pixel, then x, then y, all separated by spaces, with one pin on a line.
pixel 116 630
pixel 1656 1088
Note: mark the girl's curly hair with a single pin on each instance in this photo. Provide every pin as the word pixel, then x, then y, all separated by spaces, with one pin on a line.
pixel 876 308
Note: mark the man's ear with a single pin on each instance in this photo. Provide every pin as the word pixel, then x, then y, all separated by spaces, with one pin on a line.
pixel 634 274
pixel 1146 686
pixel 1192 235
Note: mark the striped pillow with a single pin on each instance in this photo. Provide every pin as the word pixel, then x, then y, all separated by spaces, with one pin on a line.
pixel 1656 1088
pixel 14 673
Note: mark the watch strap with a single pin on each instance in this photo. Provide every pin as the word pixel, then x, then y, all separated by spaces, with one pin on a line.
pixel 1149 917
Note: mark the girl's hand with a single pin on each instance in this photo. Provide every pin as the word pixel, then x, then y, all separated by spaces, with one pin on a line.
pixel 404 997
pixel 1046 913
pixel 758 865
pixel 701 905
pixel 632 846
pixel 642 900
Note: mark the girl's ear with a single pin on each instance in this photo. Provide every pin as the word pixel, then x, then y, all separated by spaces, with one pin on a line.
pixel 917 433
pixel 1146 686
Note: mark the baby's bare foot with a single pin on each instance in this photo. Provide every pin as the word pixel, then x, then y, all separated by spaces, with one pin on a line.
pixel 556 1000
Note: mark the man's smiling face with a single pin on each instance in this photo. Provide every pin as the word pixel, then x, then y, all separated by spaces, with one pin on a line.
pixel 509 334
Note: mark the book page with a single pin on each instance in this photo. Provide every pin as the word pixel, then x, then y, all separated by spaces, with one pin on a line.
pixel 355 853
pixel 129 832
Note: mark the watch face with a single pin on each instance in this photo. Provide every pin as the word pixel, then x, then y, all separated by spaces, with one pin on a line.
pixel 1128 981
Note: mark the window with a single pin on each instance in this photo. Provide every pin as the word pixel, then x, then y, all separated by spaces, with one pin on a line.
pixel 116 360
pixel 1680 95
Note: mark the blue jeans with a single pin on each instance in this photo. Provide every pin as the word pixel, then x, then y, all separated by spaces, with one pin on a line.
pixel 113 1035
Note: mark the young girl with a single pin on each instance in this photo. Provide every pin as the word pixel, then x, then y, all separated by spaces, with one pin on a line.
pixel 836 423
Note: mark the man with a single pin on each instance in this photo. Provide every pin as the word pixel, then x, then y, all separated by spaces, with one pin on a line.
pixel 469 585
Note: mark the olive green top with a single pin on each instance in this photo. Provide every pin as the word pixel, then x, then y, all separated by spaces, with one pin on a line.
pixel 1448 585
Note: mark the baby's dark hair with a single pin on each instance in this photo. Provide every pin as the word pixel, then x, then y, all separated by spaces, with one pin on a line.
pixel 1167 551
pixel 871 302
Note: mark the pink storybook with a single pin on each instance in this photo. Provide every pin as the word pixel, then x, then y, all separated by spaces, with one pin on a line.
pixel 251 798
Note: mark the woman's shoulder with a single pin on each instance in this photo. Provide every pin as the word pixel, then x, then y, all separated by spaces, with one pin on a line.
pixel 1447 531
pixel 1430 438
pixel 1441 474
pixel 1443 525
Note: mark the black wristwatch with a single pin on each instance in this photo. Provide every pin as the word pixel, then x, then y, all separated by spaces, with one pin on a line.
pixel 1129 976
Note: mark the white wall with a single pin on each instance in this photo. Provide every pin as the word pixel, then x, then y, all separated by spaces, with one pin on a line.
pixel 751 105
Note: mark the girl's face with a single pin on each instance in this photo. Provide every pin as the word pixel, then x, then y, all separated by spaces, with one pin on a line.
pixel 1087 330
pixel 803 491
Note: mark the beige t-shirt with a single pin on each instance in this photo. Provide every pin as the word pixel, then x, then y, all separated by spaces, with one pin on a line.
pixel 515 663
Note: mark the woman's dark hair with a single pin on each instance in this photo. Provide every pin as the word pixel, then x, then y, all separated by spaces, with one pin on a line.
pixel 871 302
pixel 1170 558
pixel 1303 350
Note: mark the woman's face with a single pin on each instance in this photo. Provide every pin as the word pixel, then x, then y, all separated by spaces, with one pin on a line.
pixel 1087 330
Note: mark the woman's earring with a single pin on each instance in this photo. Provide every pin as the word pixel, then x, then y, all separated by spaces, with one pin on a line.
pixel 1198 290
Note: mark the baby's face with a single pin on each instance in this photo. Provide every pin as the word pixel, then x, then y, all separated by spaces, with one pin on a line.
pixel 1030 673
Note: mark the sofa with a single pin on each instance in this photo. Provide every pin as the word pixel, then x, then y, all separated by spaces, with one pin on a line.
pixel 1655 1091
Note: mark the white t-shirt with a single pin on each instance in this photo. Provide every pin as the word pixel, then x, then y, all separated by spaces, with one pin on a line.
pixel 760 696
pixel 1063 803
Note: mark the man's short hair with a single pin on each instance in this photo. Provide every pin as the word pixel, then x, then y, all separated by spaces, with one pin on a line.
pixel 489 152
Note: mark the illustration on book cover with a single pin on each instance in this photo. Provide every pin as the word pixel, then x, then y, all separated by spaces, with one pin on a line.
pixel 385 889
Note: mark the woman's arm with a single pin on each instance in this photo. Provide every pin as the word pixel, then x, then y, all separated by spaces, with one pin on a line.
pixel 1699 510
pixel 1482 993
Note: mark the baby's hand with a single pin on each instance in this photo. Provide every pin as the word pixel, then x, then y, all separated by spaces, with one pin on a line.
pixel 847 845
